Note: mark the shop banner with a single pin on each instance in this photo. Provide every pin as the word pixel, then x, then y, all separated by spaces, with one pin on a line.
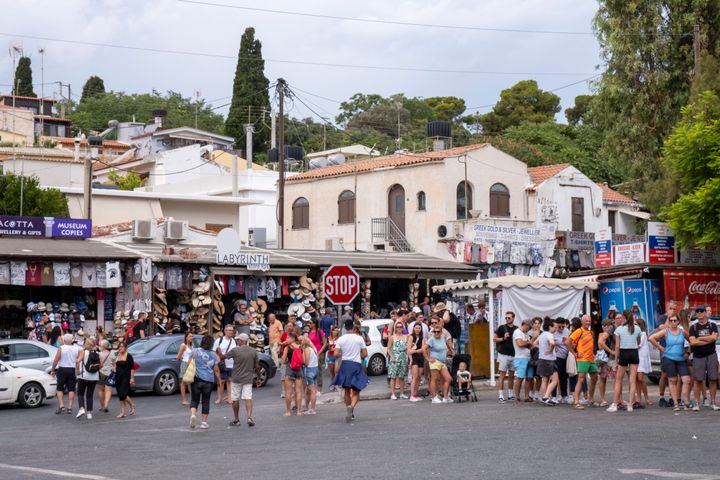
pixel 22 226
pixel 691 288
pixel 603 248
pixel 629 253
pixel 482 233
pixel 661 243
pixel 623 238
pixel 71 228
pixel 580 240
pixel 641 296
pixel 229 252
pixel 708 256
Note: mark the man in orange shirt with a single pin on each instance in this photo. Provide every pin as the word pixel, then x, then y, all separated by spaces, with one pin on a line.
pixel 581 344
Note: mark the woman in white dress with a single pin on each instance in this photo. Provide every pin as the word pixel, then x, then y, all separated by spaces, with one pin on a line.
pixel 644 368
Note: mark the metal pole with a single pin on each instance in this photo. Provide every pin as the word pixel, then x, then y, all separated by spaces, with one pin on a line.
pixel 249 130
pixel 281 161
pixel 491 344
pixel 234 174
pixel 273 120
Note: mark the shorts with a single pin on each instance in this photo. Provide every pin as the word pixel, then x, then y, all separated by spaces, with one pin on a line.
pixel 418 360
pixel 522 369
pixel 628 356
pixel 703 365
pixel 66 380
pixel 586 367
pixel 311 375
pixel 240 391
pixel 225 374
pixel 437 365
pixel 607 369
pixel 673 368
pixel 545 368
pixel 291 374
pixel 505 363
pixel 101 379
pixel 330 359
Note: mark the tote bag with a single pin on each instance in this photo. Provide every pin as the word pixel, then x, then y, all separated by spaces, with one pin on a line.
pixel 571 366
pixel 189 376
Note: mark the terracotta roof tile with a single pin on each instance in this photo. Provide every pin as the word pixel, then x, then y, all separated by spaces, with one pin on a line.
pixel 389 161
pixel 545 172
pixel 21 97
pixel 610 195
pixel 84 143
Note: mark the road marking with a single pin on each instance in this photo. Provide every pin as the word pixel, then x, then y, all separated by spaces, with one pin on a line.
pixel 656 472
pixel 58 473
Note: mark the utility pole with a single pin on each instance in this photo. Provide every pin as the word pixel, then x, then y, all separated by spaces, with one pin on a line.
pixel 281 161
pixel 41 51
pixel 696 50
pixel 249 130
pixel 197 106
pixel 273 121
pixel 95 143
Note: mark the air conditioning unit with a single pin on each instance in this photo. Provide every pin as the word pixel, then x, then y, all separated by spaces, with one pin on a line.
pixel 335 243
pixel 176 230
pixel 448 231
pixel 143 229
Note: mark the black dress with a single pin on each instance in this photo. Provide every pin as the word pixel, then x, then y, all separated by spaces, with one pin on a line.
pixel 123 368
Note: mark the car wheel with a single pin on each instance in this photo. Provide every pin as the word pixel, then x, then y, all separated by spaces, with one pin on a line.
pixel 31 395
pixel 263 374
pixel 166 383
pixel 376 365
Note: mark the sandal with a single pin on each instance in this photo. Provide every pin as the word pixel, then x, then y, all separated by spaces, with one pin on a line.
pixel 604 404
pixel 121 416
pixel 529 400
pixel 69 411
pixel 578 407
pixel 132 412
pixel 235 423
pixel 59 410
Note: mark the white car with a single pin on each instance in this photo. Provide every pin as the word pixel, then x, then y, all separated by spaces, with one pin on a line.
pixel 25 386
pixel 377 353
pixel 27 354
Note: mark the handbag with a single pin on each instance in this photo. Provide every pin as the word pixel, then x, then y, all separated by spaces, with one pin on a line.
pixel 189 375
pixel 110 380
pixel 571 365
pixel 221 364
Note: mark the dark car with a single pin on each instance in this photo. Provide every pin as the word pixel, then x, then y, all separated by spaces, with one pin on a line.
pixel 158 369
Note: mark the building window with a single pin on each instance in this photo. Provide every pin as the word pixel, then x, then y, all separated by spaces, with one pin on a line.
pixel 301 213
pixel 578 214
pixel 346 207
pixel 464 189
pixel 499 201
pixel 421 200
pixel 611 219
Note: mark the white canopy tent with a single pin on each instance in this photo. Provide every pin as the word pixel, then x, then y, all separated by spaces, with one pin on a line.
pixel 527 297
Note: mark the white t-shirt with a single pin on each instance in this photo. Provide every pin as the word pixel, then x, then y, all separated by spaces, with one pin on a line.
pixel 225 346
pixel 425 328
pixel 521 352
pixel 350 346
pixel 545 345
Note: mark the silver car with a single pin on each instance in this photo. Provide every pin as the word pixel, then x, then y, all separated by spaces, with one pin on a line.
pixel 21 353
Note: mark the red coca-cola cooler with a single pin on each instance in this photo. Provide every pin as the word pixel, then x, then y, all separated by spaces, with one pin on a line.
pixel 693 287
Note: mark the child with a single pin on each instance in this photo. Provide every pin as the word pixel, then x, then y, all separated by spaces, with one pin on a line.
pixel 463 378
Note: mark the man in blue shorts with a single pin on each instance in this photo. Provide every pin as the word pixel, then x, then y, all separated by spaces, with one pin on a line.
pixel 523 370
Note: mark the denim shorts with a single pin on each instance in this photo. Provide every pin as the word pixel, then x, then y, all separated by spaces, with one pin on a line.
pixel 311 374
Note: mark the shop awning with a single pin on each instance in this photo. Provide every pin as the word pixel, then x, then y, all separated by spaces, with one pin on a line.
pixel 475 286
pixel 636 214
pixel 48 248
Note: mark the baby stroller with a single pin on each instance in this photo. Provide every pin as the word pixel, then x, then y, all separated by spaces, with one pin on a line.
pixel 467 393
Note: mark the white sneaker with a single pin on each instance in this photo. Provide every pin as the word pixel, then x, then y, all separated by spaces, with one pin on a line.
pixel 282 394
pixel 436 400
pixel 418 399
pixel 555 400
pixel 80 413
pixel 204 426
pixel 569 400
pixel 403 396
pixel 585 402
pixel 696 408
pixel 706 402
pixel 447 400
pixel 612 408
pixel 629 407
pixel 89 416
pixel 193 421
pixel 714 407
pixel 393 397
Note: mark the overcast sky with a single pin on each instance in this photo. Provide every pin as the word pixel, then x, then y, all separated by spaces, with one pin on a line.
pixel 180 26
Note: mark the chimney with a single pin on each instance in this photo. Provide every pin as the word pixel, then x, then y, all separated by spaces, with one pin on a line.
pixel 159 115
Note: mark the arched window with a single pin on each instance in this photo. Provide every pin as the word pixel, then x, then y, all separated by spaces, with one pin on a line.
pixel 499 201
pixel 421 200
pixel 346 207
pixel 301 213
pixel 464 189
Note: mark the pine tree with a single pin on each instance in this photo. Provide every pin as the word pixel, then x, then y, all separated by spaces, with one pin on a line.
pixel 93 87
pixel 250 95
pixel 23 79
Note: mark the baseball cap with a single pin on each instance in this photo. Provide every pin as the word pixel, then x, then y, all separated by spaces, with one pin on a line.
pixel 417 309
pixel 244 337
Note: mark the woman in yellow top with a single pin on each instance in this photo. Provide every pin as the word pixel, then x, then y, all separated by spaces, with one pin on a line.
pixel 581 344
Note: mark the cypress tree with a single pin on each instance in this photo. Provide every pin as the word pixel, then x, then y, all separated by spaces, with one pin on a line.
pixel 250 95
pixel 93 87
pixel 23 84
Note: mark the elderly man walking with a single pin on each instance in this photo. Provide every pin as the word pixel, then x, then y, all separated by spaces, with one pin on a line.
pixel 245 372
pixel 63 368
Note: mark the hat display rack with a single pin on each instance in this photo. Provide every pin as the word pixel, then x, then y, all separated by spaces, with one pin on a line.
pixel 69 316
pixel 365 296
pixel 414 292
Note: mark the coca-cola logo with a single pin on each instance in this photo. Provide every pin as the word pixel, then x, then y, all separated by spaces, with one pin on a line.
pixel 709 288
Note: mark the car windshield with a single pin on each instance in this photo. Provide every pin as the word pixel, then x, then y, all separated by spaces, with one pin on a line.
pixel 144 345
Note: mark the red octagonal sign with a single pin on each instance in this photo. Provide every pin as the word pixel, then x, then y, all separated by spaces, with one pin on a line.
pixel 342 284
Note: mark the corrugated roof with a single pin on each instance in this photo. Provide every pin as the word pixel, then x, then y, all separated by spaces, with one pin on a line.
pixel 48 248
pixel 544 172
pixel 389 161
pixel 610 195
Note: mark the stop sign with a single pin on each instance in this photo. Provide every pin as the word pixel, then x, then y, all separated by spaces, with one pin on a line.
pixel 342 284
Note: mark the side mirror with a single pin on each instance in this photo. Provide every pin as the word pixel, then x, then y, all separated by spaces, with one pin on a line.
pixel 3 368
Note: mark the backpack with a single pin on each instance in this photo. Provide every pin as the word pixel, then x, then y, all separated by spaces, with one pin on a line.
pixel 129 332
pixel 296 361
pixel 93 362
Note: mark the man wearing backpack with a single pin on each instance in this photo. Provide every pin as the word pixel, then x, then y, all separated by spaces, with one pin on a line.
pixel 140 327
pixel 221 347
pixel 351 375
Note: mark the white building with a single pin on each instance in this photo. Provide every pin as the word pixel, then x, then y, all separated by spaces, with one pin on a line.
pixel 54 167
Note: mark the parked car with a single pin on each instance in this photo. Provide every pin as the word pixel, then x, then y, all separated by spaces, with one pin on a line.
pixel 25 386
pixel 158 370
pixel 377 353
pixel 655 356
pixel 27 354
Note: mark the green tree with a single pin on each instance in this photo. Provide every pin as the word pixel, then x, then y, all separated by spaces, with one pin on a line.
pixel 93 87
pixel 523 102
pixel 358 103
pixel 446 108
pixel 129 181
pixel 23 84
pixel 692 153
pixel 95 112
pixel 250 100
pixel 577 113
pixel 37 202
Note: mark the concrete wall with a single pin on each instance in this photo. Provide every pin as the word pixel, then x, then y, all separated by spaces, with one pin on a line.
pixel 624 223
pixel 202 214
pixel 110 210
pixel 20 121
pixel 50 173
pixel 559 190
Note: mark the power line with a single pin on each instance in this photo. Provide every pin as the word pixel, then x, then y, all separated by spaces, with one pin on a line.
pixel 292 62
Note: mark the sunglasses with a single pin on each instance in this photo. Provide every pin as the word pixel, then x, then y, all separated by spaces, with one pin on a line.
pixel 398 326
pixel 509 318
pixel 700 310
pixel 674 320
pixel 437 331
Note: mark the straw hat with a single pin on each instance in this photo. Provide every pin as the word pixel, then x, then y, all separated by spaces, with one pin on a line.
pixel 296 309
pixel 64 307
pixel 439 307
pixel 305 282
pixel 259 305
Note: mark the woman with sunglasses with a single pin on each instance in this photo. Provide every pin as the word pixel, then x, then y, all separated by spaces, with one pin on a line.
pixel 627 341
pixel 415 349
pixel 673 362
pixel 397 350
pixel 437 349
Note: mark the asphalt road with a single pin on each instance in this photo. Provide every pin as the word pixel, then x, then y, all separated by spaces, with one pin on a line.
pixel 389 440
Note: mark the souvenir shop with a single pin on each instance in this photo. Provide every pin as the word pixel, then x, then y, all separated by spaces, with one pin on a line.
pixel 72 282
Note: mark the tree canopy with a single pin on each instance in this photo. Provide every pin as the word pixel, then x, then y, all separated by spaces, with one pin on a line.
pixel 523 102
pixel 23 84
pixel 37 202
pixel 93 87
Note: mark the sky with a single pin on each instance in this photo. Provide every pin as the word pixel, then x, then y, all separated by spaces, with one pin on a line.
pixel 213 32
